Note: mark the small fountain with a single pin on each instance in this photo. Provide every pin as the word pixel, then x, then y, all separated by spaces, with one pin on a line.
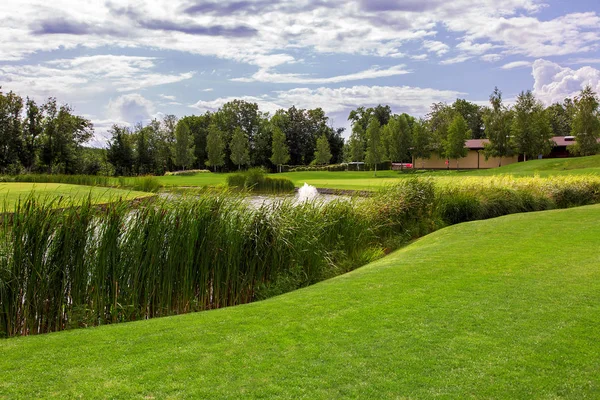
pixel 307 193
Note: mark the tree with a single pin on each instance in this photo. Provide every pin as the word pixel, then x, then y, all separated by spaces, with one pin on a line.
pixel 32 130
pixel 11 106
pixel 586 123
pixel 323 152
pixel 144 157
pixel 198 125
pixel 120 151
pixel 458 133
pixel 473 115
pixel 215 147
pixel 375 149
pixel 439 119
pixel 530 129
pixel 239 148
pixel 399 137
pixel 281 153
pixel 498 122
pixel 362 116
pixel 561 117
pixel 421 141
pixel 184 146
pixel 357 144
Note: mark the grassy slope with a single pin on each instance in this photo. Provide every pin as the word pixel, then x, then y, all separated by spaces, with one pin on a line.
pixel 11 192
pixel 366 181
pixel 467 312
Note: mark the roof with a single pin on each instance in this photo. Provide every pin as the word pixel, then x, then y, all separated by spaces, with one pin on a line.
pixel 559 141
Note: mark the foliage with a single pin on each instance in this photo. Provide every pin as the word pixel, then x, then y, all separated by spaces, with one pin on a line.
pixel 239 148
pixel 421 141
pixel 531 130
pixel 281 153
pixel 322 152
pixel 586 123
pixel 498 122
pixel 375 147
pixel 255 180
pixel 458 133
pixel 398 136
pixel 184 148
pixel 215 147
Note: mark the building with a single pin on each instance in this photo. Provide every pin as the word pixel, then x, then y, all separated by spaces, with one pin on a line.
pixel 475 158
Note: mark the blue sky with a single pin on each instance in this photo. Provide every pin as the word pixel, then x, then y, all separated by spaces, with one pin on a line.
pixel 130 61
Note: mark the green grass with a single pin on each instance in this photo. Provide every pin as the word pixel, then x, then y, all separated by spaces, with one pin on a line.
pixel 364 180
pixel 10 193
pixel 466 312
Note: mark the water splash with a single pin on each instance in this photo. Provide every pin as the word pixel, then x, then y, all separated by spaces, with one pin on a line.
pixel 307 193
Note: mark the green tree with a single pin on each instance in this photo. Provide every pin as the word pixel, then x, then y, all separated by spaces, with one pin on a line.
pixel 498 121
pixel 323 152
pixel 357 144
pixel 215 147
pixel 530 129
pixel 399 136
pixel 586 123
pixel 458 133
pixel 11 106
pixel 144 158
pixel 439 119
pixel 239 148
pixel 281 153
pixel 473 115
pixel 561 117
pixel 32 130
pixel 421 141
pixel 184 146
pixel 375 148
pixel 120 151
pixel 198 125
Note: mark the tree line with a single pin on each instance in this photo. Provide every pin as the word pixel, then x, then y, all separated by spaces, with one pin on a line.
pixel 50 138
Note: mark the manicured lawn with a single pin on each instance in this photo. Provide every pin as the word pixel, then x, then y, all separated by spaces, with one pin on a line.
pixel 364 180
pixel 11 192
pixel 504 308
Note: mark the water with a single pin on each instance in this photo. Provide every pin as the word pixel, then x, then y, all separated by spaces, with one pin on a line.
pixel 307 193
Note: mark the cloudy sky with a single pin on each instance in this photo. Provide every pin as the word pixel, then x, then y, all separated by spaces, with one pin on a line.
pixel 128 61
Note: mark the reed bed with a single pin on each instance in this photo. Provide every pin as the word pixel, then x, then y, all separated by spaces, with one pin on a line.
pixel 256 180
pixel 84 266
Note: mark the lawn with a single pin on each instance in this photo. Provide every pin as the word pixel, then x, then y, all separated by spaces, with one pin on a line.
pixel 10 193
pixel 364 180
pixel 466 312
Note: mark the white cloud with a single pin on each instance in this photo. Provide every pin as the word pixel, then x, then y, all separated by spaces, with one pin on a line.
pixel 86 75
pixel 553 83
pixel 455 60
pixel 437 47
pixel 273 77
pixel 516 64
pixel 130 109
pixel 167 97
pixel 492 57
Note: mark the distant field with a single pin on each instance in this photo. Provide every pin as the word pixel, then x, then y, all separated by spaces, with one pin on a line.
pixel 366 181
pixel 10 193
pixel 499 309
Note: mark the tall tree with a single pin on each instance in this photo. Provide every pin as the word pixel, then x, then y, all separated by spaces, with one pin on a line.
pixel 281 153
pixel 421 141
pixel 323 152
pixel 458 133
pixel 586 123
pixel 238 147
pixel 561 117
pixel 215 147
pixel 198 125
pixel 399 137
pixel 120 151
pixel 375 149
pixel 32 130
pixel 530 129
pixel 439 119
pixel 473 115
pixel 144 153
pixel 184 146
pixel 11 106
pixel 357 144
pixel 498 120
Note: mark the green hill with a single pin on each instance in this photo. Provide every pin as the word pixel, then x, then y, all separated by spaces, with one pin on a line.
pixel 503 308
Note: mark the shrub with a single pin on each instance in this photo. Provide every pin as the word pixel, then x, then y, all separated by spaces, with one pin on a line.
pixel 188 172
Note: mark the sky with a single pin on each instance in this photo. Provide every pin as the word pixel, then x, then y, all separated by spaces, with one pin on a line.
pixel 126 62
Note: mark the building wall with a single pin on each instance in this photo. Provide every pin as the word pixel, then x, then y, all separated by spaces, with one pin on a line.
pixel 473 160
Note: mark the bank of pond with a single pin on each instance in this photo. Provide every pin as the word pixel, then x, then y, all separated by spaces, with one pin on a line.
pixel 85 266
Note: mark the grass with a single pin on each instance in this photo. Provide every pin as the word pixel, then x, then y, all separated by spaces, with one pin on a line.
pixel 10 193
pixel 467 311
pixel 364 180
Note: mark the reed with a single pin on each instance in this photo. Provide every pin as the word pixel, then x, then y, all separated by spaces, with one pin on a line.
pixel 68 267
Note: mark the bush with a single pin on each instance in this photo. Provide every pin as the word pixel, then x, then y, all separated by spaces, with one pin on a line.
pixel 255 180
pixel 188 172
pixel 147 183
